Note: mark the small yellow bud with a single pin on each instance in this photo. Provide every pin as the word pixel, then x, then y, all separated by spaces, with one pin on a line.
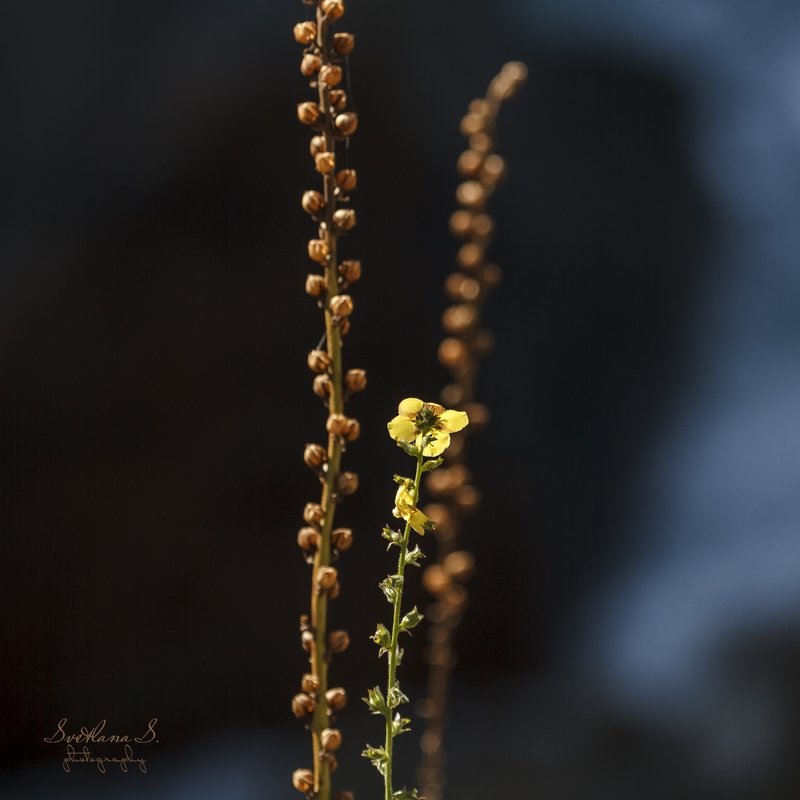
pixel 342 305
pixel 342 539
pixel 302 705
pixel 331 739
pixel 346 179
pixel 325 162
pixel 355 380
pixel 308 113
pixel 310 683
pixel 312 201
pixel 315 455
pixel 350 270
pixel 310 65
pixel 332 9
pixel 303 780
pixel 315 285
pixel 344 219
pixel 318 250
pixel 322 386
pixel 305 32
pixel 347 483
pixel 308 539
pixel 319 361
pixel 331 74
pixel 346 123
pixel 336 698
pixel 338 642
pixel 343 43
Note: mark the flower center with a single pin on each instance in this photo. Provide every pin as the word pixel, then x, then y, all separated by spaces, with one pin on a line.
pixel 425 419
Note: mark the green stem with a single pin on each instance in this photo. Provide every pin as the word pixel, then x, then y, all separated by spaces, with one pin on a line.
pixel 393 648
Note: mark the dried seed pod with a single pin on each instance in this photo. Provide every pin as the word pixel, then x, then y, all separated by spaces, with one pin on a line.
pixel 302 705
pixel 479 106
pixel 435 579
pixel 344 325
pixel 460 287
pixel 347 483
pixel 322 386
pixel 461 222
pixel 303 780
pixel 336 698
pixel 470 193
pixel 491 275
pixel 346 179
pixel 318 250
pixel 331 74
pixel 338 641
pixel 307 641
pixel 468 498
pixel 325 162
pixel 332 9
pixel 453 353
pixel 459 319
pixel 459 564
pixel 342 539
pixel 315 455
pixel 308 539
pixel 336 591
pixel 310 65
pixel 339 99
pixel 452 395
pixel 493 168
pixel 470 255
pixel 319 361
pixel 312 201
pixel 315 285
pixel 313 513
pixel 355 380
pixel 342 305
pixel 346 123
pixel 473 123
pixel 343 43
pixel 336 424
pixel 310 683
pixel 478 414
pixel 482 226
pixel 469 163
pixel 344 219
pixel 352 430
pixel 305 32
pixel 326 578
pixel 331 739
pixel 308 113
pixel 317 145
pixel 350 270
pixel 481 142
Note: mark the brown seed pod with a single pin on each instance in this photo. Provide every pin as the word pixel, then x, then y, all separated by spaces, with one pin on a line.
pixel 331 74
pixel 312 201
pixel 310 65
pixel 322 386
pixel 336 424
pixel 346 123
pixel 470 255
pixel 459 319
pixel 336 698
pixel 305 32
pixel 307 641
pixel 332 9
pixel 310 683
pixel 482 226
pixel 343 43
pixel 331 739
pixel 352 430
pixel 303 780
pixel 470 193
pixel 326 578
pixel 316 145
pixel 478 414
pixel 355 380
pixel 308 113
pixel 335 591
pixel 315 455
pixel 347 483
pixel 468 498
pixel 460 287
pixel 350 270
pixel 473 123
pixel 481 142
pixel 325 162
pixel 308 539
pixel 452 395
pixel 346 179
pixel 469 163
pixel 342 539
pixel 313 513
pixel 338 642
pixel 315 285
pixel 339 99
pixel 319 361
pixel 435 579
pixel 459 564
pixel 342 305
pixel 461 223
pixel 318 250
pixel 493 168
pixel 302 705
pixel 344 325
pixel 452 353
pixel 344 219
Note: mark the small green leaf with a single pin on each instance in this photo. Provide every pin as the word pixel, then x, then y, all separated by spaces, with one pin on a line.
pixel 432 464
pixel 376 701
pixel 410 620
pixel 413 557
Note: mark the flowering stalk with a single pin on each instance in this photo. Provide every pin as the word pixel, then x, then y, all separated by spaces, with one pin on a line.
pixel 323 55
pixel 423 431
pixel 460 353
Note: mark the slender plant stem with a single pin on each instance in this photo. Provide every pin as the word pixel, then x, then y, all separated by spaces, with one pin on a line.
pixel 319 600
pixel 393 648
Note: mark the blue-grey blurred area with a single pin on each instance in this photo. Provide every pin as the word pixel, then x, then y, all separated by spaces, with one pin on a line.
pixel 635 620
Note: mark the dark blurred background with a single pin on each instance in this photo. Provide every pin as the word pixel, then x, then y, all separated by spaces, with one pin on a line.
pixel 635 624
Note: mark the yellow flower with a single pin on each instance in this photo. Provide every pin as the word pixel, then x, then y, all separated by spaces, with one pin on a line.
pixel 405 507
pixel 428 425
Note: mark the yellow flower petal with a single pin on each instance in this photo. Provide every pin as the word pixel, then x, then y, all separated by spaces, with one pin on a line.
pixel 452 421
pixel 417 521
pixel 436 408
pixel 410 407
pixel 436 448
pixel 401 429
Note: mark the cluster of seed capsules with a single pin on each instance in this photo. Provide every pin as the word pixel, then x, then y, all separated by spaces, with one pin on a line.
pixel 465 344
pixel 323 63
